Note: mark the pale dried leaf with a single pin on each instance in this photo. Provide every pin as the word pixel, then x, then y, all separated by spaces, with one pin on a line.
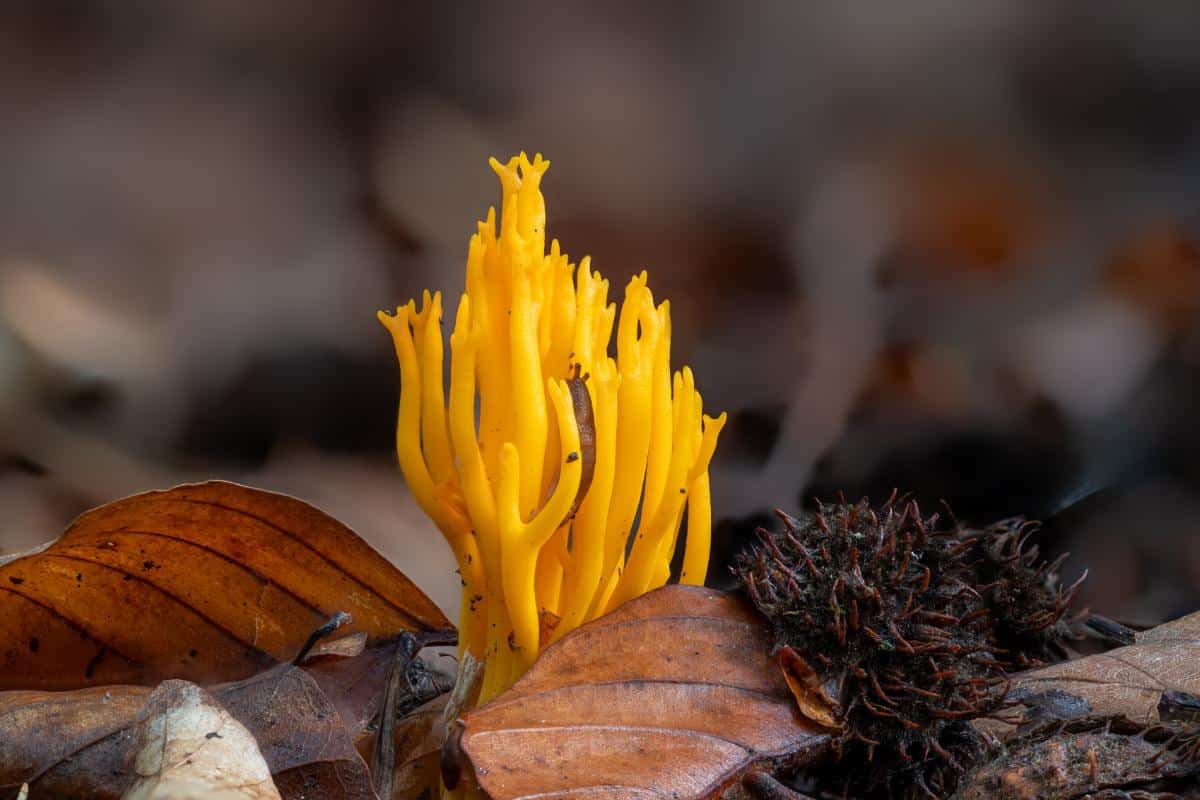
pixel 190 748
pixel 343 647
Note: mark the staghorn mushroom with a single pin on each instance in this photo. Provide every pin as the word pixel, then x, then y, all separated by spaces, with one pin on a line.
pixel 537 486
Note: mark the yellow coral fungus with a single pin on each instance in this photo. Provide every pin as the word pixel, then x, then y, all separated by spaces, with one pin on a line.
pixel 558 474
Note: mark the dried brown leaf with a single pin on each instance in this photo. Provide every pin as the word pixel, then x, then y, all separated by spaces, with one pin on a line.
pixel 69 744
pixel 206 582
pixel 674 694
pixel 312 724
pixel 419 739
pixel 302 735
pixel 1131 680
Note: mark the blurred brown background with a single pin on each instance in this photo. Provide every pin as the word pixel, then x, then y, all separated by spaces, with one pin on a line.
pixel 942 246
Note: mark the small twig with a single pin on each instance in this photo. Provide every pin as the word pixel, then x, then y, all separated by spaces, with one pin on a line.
pixel 762 786
pixel 446 638
pixel 1109 630
pixel 336 621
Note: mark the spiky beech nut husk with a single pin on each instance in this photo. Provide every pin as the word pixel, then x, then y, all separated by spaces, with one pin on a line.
pixel 1029 604
pixel 883 605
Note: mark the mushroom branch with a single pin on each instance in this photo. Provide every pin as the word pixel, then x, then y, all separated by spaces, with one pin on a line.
pixel 559 475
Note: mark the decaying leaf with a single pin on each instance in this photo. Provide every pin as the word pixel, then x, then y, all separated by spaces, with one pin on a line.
pixel 674 694
pixel 356 686
pixel 1120 720
pixel 1128 681
pixel 190 748
pixel 302 735
pixel 420 735
pixel 69 744
pixel 1074 759
pixel 206 582
pixel 419 740
pixel 311 723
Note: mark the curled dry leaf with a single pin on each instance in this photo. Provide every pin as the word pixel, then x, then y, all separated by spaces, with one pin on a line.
pixel 311 723
pixel 207 582
pixel 674 694
pixel 814 697
pixel 190 748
